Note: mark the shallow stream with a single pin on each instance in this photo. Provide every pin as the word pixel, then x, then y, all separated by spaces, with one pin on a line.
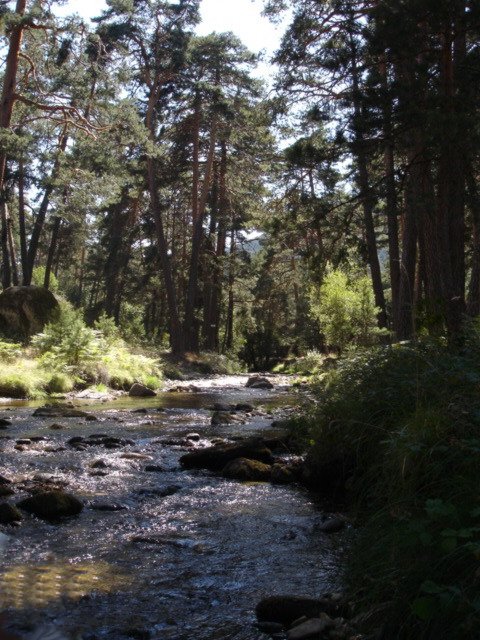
pixel 187 555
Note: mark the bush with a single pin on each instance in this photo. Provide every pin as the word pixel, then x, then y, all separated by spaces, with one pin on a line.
pixel 15 386
pixel 97 355
pixel 59 383
pixel 10 351
pixel 345 310
pixel 405 421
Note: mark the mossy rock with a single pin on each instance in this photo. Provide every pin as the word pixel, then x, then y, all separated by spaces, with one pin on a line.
pixel 216 458
pixel 51 505
pixel 24 311
pixel 249 470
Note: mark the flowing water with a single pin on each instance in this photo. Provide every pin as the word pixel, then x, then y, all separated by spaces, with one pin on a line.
pixel 188 554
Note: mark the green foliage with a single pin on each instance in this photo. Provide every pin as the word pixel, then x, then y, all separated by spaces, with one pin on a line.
pixel 345 310
pixel 405 420
pixel 10 351
pixel 38 278
pixel 59 383
pixel 68 343
pixel 131 326
pixel 262 349
pixel 97 355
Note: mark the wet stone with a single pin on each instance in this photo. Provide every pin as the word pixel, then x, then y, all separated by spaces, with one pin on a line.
pixel 52 504
pixel 56 427
pixel 9 514
pixel 194 437
pixel 107 506
pixel 99 464
pixel 6 491
pixel 4 480
pixel 154 468
pixel 23 441
pixel 4 423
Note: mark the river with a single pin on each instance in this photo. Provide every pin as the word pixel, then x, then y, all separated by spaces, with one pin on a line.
pixel 187 555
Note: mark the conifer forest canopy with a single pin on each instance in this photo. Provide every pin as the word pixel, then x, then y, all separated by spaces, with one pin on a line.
pixel 147 174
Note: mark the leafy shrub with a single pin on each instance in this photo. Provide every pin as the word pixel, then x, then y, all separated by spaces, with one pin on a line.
pixel 10 351
pixel 38 278
pixel 15 386
pixel 405 419
pixel 345 310
pixel 97 355
pixel 59 383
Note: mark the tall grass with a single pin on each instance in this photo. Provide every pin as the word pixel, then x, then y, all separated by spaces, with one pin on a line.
pixel 404 421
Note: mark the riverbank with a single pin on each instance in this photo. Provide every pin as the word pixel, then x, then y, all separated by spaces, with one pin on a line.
pixel 395 437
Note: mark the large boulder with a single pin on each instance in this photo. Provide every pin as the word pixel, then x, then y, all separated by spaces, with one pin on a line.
pixel 216 458
pixel 51 505
pixel 25 311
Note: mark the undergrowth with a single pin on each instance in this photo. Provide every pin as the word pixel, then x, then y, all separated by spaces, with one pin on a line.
pixel 68 354
pixel 405 422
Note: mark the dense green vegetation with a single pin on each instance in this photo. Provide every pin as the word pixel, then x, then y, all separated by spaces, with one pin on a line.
pixel 400 426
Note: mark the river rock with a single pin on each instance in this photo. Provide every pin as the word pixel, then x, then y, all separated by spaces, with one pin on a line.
pixel 286 609
pixel 193 437
pixel 60 411
pixel 6 491
pixel 25 311
pixel 222 417
pixel 4 423
pixel 138 390
pixel 56 427
pixel 331 525
pixel 4 480
pixel 244 406
pixel 217 457
pixel 259 382
pixel 52 504
pixel 245 469
pixel 282 474
pixel 9 514
pixel 135 456
pixel 107 506
pixel 310 628
pixel 222 406
pixel 154 468
pixel 98 464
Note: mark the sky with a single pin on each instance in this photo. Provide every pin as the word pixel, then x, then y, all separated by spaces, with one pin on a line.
pixel 243 17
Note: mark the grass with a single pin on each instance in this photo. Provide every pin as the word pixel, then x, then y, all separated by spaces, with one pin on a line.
pixel 401 426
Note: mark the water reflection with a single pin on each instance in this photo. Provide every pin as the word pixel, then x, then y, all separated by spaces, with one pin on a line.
pixel 27 586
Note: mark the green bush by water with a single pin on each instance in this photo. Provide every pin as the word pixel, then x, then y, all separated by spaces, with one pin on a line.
pixel 406 420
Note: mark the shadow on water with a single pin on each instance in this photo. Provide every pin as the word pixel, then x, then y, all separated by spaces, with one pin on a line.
pixel 185 554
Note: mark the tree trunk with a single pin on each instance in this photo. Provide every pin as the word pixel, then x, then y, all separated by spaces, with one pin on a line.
pixel 7 99
pixel 366 195
pixel 21 221
pixel 191 325
pixel 57 222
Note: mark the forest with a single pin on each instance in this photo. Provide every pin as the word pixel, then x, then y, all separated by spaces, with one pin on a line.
pixel 166 216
